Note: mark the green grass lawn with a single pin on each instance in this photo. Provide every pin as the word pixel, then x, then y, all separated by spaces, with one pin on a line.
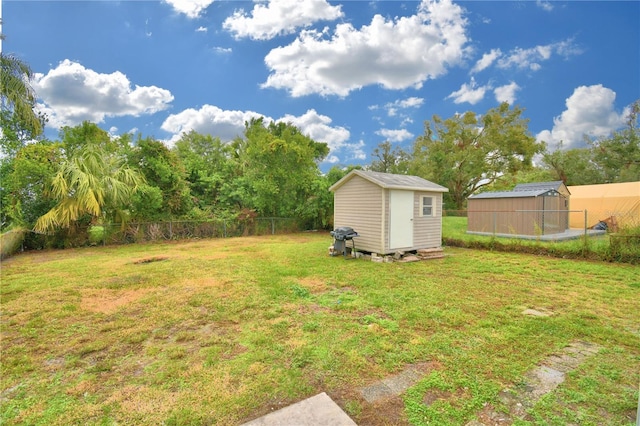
pixel 223 331
pixel 597 247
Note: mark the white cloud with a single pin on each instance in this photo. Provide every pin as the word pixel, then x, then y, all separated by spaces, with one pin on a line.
pixel 394 53
pixel 332 159
pixel 71 93
pixel 486 60
pixel 544 5
pixel 191 8
pixel 279 17
pixel 393 108
pixel 470 93
pixel 201 30
pixel 398 135
pixel 406 121
pixel 590 111
pixel 355 151
pixel 506 93
pixel 223 50
pixel 209 119
pixel 412 102
pixel 531 58
pixel 319 128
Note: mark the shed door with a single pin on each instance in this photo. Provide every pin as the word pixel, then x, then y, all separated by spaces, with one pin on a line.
pixel 401 219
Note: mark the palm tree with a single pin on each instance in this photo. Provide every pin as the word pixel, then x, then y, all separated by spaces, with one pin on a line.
pixel 17 95
pixel 92 182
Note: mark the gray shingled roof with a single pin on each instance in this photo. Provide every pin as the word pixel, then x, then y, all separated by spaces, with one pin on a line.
pixel 523 190
pixel 511 194
pixel 392 181
pixel 538 186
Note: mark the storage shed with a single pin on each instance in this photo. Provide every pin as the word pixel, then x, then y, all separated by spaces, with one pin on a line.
pixel 540 208
pixel 390 212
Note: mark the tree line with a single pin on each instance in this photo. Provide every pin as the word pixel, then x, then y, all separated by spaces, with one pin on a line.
pixel 87 176
pixel 470 153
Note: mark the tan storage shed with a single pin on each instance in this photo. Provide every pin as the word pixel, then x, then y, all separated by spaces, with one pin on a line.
pixel 389 212
pixel 540 208
pixel 620 201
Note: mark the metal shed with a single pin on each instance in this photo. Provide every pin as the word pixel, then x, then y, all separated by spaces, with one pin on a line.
pixel 529 209
pixel 390 212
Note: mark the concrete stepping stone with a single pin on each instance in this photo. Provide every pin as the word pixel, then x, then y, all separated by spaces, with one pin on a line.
pixel 540 381
pixel 536 313
pixel 391 386
pixel 314 411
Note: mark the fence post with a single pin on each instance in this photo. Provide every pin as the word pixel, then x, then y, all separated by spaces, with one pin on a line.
pixel 585 224
pixel 638 413
pixel 273 227
pixel 170 230
pixel 224 228
pixel 494 222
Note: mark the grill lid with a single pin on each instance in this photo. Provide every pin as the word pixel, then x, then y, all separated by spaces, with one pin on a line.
pixel 343 233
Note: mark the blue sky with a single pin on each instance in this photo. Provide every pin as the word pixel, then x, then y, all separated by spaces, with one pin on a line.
pixel 349 73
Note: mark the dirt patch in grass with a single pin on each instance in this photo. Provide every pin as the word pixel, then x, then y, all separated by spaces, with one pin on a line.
pixel 107 301
pixel 433 395
pixel 490 416
pixel 143 400
pixel 314 285
pixel 150 260
pixel 389 411
pixel 386 412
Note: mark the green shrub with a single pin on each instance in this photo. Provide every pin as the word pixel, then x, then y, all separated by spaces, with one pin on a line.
pixel 624 246
pixel 11 241
pixel 96 235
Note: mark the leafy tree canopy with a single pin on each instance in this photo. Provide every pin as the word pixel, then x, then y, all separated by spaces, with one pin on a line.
pixel 163 169
pixel 467 152
pixel 86 133
pixel 279 164
pixel 619 155
pixel 26 181
pixel 387 159
pixel 573 166
pixel 210 167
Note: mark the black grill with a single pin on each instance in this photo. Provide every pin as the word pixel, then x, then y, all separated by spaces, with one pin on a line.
pixel 340 237
pixel 343 233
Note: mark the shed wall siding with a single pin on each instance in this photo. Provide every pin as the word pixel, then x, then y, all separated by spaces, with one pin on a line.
pixel 427 231
pixel 509 215
pixel 358 204
pixel 499 215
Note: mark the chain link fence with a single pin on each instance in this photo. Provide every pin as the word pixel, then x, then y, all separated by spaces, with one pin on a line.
pixel 141 232
pixel 546 222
